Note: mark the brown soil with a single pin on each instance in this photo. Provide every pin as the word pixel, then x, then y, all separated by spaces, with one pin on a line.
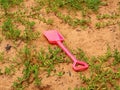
pixel 92 41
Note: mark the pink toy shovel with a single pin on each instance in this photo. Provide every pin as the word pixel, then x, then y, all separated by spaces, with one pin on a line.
pixel 55 37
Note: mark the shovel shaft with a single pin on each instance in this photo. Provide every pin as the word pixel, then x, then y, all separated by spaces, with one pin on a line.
pixel 77 65
pixel 66 50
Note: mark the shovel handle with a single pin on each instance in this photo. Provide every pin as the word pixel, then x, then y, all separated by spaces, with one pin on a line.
pixel 80 66
pixel 77 65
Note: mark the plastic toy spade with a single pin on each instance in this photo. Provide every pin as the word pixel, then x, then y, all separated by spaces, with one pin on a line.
pixel 54 37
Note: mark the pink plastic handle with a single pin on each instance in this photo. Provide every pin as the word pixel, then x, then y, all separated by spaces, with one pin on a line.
pixel 77 65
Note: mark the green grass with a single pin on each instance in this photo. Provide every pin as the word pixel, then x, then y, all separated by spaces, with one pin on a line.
pixel 30 35
pixel 93 4
pixel 6 4
pixel 103 24
pixel 1 56
pixel 1 39
pixel 101 75
pixel 9 30
pixel 74 4
pixel 108 16
pixel 71 5
pixel 73 21
pixel 60 74
pixel 116 56
pixel 52 57
pixel 33 61
pixel 31 70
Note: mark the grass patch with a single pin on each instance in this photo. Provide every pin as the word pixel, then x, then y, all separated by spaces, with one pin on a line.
pixel 35 61
pixel 6 4
pixel 102 76
pixel 1 56
pixel 9 30
pixel 1 39
pixel 93 4
pixel 99 25
pixel 108 16
pixel 73 21
pixel 74 4
pixel 51 58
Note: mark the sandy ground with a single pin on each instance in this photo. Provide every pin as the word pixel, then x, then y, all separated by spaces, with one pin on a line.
pixel 92 41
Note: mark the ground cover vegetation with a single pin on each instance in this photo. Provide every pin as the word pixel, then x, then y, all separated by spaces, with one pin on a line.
pixel 104 70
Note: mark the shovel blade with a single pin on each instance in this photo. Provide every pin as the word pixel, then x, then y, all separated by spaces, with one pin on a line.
pixel 53 36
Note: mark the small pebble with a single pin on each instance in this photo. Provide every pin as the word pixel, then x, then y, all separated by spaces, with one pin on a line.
pixel 8 47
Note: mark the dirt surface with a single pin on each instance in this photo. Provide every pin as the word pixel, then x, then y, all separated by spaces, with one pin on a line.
pixel 94 42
